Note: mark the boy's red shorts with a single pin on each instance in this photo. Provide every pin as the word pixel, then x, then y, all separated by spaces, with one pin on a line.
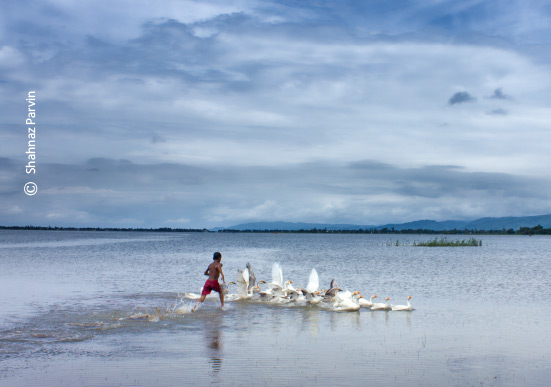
pixel 209 286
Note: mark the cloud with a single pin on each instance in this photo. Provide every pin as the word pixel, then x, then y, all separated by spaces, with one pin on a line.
pixel 365 192
pixel 498 94
pixel 251 95
pixel 10 57
pixel 70 215
pixel 178 221
pixel 10 210
pixel 206 111
pixel 61 22
pixel 461 97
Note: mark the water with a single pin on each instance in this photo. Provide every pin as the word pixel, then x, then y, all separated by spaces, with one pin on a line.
pixel 67 300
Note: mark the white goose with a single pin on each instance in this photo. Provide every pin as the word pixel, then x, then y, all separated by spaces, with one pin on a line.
pixel 192 296
pixel 276 295
pixel 345 301
pixel 312 298
pixel 286 294
pixel 243 285
pixel 276 286
pixel 196 296
pixel 265 295
pixel 256 289
pixel 406 308
pixel 298 297
pixel 367 303
pixel 277 281
pixel 288 288
pixel 381 305
pixel 357 297
pixel 226 287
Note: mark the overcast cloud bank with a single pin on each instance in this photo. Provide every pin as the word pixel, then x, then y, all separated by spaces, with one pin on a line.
pixel 202 114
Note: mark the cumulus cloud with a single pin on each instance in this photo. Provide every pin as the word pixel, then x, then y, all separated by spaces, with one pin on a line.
pixel 461 97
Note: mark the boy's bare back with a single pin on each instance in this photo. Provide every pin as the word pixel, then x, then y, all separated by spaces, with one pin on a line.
pixel 214 270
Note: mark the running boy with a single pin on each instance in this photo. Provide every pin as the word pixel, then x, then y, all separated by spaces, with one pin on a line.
pixel 213 271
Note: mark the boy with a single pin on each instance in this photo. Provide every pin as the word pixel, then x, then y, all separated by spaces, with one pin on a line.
pixel 213 271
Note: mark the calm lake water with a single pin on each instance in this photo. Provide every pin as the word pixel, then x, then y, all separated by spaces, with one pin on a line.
pixel 482 317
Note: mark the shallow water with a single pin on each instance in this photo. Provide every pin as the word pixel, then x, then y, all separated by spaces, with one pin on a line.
pixel 71 304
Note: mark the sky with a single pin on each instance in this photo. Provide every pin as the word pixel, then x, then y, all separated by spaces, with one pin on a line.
pixel 192 114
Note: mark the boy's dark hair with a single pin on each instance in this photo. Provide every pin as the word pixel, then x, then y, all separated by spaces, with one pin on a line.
pixel 217 255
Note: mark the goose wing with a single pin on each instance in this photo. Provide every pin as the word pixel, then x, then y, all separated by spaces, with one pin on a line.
pixel 277 275
pixel 252 277
pixel 313 282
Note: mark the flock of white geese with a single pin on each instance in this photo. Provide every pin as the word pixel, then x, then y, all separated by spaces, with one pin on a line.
pixel 279 292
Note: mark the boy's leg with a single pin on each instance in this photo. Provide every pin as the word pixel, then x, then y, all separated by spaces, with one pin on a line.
pixel 198 302
pixel 221 298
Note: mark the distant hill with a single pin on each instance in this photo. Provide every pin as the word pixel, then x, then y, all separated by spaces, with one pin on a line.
pixel 427 225
pixel 510 222
pixel 479 224
pixel 292 226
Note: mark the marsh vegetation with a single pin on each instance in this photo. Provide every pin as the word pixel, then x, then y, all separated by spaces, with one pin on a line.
pixel 445 242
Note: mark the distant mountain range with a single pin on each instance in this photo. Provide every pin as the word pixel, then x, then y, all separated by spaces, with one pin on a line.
pixel 290 226
pixel 479 224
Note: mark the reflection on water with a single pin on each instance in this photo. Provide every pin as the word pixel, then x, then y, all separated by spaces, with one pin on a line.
pixel 349 321
pixel 310 321
pixel 213 341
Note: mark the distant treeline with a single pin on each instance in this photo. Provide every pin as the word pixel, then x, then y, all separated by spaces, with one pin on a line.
pixel 162 229
pixel 537 230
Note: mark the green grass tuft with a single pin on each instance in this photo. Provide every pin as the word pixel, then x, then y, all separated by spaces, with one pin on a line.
pixel 445 242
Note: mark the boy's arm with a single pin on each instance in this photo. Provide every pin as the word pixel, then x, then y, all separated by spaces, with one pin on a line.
pixel 207 271
pixel 222 274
